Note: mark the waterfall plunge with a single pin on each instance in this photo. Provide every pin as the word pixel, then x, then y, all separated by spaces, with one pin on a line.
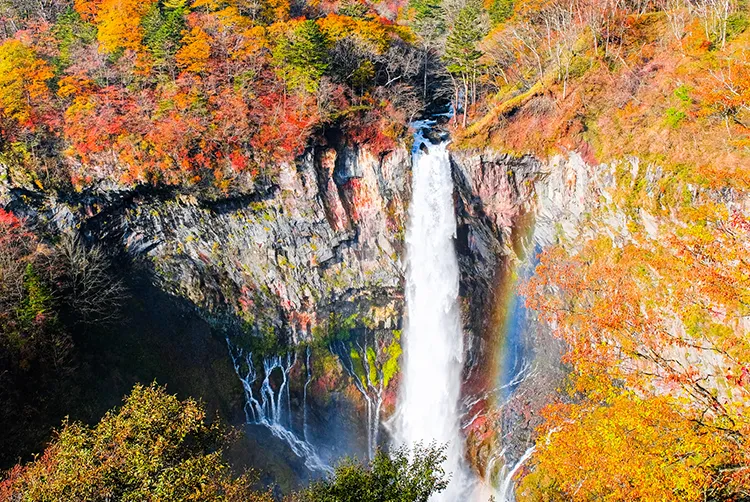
pixel 429 400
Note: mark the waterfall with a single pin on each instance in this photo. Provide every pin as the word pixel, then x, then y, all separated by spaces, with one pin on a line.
pixel 270 407
pixel 433 351
pixel 370 389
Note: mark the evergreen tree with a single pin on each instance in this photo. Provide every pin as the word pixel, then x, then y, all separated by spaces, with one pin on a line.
pixel 500 11
pixel 162 31
pixel 70 31
pixel 462 55
pixel 302 58
pixel 428 21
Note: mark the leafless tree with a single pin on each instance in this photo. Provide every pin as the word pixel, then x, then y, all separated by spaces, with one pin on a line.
pixel 528 38
pixel 677 16
pixel 347 55
pixel 14 13
pixel 89 287
pixel 400 63
pixel 714 15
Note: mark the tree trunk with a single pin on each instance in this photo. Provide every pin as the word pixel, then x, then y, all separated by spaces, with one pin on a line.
pixel 466 98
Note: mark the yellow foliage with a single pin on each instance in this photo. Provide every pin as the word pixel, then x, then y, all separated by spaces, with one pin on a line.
pixel 276 10
pixel 23 81
pixel 119 24
pixel 253 40
pixel 369 31
pixel 630 449
pixel 657 312
pixel 72 85
pixel 195 53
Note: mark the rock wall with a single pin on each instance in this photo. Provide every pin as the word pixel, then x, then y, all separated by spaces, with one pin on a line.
pixel 327 238
pixel 268 267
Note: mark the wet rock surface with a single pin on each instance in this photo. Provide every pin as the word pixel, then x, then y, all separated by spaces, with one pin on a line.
pixel 326 238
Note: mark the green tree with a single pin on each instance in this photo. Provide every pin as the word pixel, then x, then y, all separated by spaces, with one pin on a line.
pixel 163 25
pixel 462 55
pixel 155 447
pixel 500 11
pixel 302 57
pixel 428 21
pixel 71 31
pixel 36 303
pixel 402 476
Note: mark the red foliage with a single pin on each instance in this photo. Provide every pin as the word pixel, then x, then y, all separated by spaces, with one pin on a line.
pixel 13 231
pixel 288 123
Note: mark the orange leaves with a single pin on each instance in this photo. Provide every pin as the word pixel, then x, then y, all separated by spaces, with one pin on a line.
pixel 629 449
pixel 88 9
pixel 73 85
pixel 93 122
pixel 119 23
pixel 276 10
pixel 254 40
pixel 195 53
pixel 725 92
pixel 186 92
pixel 654 323
pixel 23 83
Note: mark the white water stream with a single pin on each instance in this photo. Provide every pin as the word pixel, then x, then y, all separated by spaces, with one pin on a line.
pixel 433 345
pixel 429 407
pixel 270 406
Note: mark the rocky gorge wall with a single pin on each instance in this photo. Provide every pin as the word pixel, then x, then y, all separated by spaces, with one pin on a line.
pixel 311 265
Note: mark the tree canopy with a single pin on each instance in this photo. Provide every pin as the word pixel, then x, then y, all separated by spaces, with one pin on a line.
pixel 157 447
pixel 154 447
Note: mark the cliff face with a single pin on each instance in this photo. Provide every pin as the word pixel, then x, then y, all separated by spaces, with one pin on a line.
pixel 510 209
pixel 311 267
pixel 325 238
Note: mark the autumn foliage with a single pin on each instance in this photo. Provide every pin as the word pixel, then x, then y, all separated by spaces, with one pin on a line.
pixel 651 295
pixel 24 94
pixel 153 447
pixel 653 311
pixel 209 93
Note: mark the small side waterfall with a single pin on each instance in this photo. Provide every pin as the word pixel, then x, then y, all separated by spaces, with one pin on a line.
pixel 308 379
pixel 269 405
pixel 369 386
pixel 506 488
pixel 433 356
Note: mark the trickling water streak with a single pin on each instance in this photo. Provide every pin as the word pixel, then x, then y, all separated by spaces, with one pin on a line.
pixel 429 400
pixel 508 479
pixel 370 390
pixel 304 393
pixel 267 408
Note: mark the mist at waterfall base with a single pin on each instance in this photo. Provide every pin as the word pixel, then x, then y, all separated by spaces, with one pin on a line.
pixel 288 440
pixel 429 408
pixel 516 359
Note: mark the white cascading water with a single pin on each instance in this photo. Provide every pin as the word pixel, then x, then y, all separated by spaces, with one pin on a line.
pixel 270 407
pixel 433 346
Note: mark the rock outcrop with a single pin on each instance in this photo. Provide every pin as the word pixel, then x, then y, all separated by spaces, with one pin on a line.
pixel 315 258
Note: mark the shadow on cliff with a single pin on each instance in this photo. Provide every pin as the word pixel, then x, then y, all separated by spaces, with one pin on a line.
pixel 157 337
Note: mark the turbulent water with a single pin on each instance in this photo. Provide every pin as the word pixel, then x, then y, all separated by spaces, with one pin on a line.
pixel 433 346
